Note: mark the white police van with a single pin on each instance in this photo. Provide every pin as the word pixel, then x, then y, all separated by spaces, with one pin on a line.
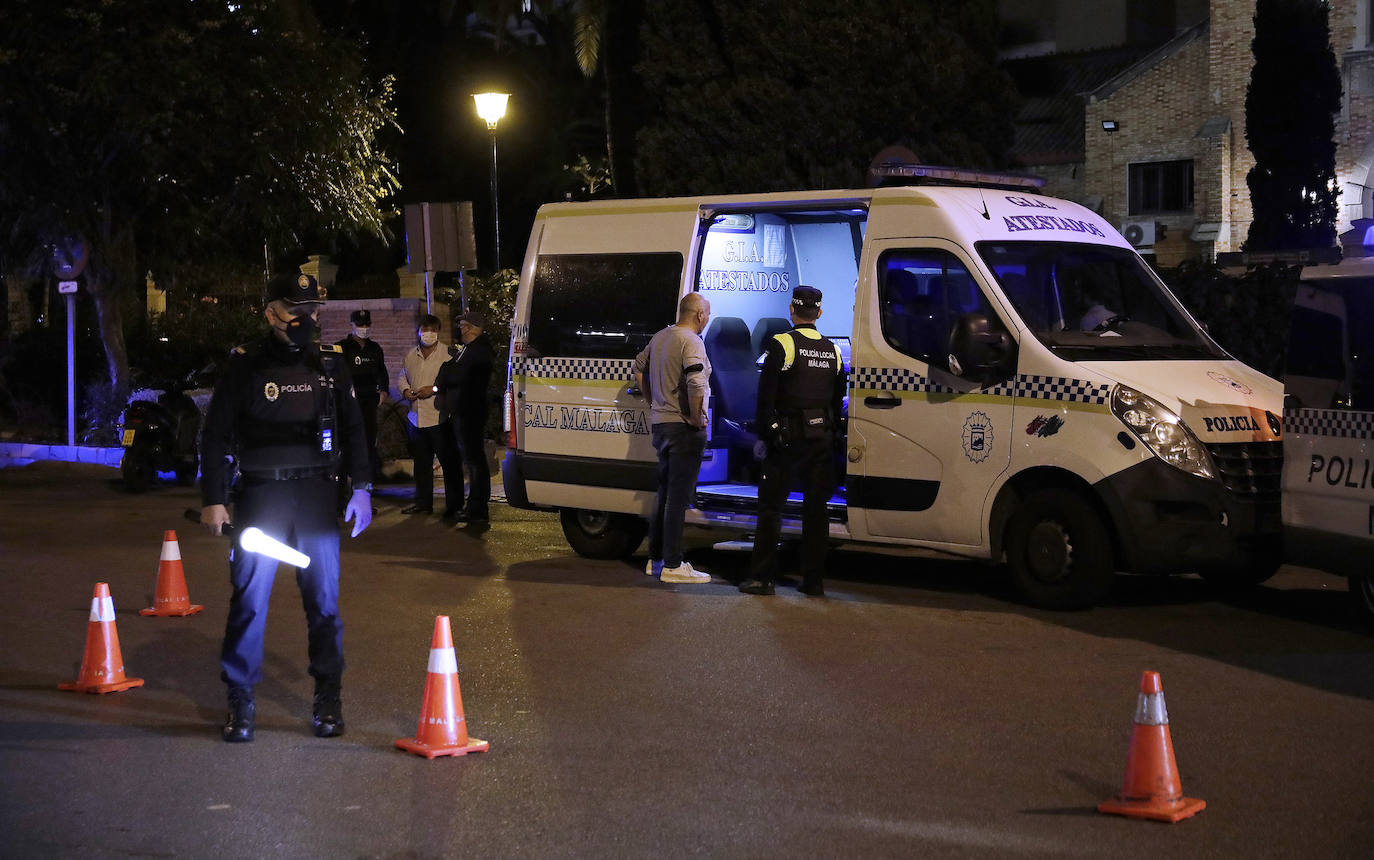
pixel 1021 384
pixel 1328 487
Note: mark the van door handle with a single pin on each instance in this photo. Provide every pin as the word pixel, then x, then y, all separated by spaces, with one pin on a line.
pixel 633 391
pixel 887 401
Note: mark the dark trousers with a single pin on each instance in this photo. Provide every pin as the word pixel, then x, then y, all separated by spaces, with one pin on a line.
pixel 679 448
pixel 367 402
pixel 469 432
pixel 426 443
pixel 299 513
pixel 812 461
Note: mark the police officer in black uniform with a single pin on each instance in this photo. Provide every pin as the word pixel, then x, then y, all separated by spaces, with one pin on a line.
pixel 801 394
pixel 365 362
pixel 285 411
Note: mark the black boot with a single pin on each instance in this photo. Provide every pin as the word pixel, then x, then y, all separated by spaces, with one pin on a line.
pixel 238 725
pixel 328 718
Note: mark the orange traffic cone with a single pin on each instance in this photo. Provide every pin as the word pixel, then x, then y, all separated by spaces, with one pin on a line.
pixel 171 597
pixel 1152 788
pixel 443 729
pixel 102 666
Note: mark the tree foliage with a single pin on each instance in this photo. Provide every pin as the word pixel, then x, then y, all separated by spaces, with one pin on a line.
pixel 1248 315
pixel 1290 127
pixel 177 136
pixel 794 94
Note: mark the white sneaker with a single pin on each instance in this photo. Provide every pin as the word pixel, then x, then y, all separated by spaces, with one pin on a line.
pixel 685 574
pixel 653 567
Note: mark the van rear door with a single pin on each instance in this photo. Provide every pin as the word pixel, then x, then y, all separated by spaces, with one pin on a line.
pixel 582 430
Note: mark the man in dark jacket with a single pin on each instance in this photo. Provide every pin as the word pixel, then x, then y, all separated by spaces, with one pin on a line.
pixel 367 367
pixel 462 384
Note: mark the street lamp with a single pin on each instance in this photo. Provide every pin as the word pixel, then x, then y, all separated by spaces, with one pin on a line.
pixel 491 107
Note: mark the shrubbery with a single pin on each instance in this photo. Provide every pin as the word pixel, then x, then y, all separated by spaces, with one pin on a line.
pixel 1247 314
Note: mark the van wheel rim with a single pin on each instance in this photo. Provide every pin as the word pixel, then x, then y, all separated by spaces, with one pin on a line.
pixel 1049 552
pixel 593 522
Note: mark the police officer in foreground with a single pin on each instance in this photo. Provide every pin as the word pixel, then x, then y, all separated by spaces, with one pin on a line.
pixel 367 366
pixel 285 410
pixel 801 393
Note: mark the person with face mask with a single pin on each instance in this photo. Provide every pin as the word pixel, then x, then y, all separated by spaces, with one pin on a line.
pixel 429 438
pixel 285 410
pixel 367 366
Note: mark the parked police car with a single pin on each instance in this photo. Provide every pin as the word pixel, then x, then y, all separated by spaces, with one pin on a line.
pixel 1328 493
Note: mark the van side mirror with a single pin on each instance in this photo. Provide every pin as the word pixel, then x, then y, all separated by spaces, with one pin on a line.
pixel 980 353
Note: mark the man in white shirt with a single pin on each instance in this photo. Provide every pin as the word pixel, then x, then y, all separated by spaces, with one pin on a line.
pixel 428 438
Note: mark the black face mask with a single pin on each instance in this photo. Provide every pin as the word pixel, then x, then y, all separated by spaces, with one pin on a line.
pixel 300 330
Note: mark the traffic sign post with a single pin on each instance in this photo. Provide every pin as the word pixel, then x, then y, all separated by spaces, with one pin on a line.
pixel 70 255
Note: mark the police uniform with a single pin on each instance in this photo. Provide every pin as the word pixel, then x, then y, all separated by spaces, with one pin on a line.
pixel 367 367
pixel 288 417
pixel 801 390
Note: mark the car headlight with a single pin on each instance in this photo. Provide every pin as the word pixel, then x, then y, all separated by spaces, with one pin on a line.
pixel 1161 431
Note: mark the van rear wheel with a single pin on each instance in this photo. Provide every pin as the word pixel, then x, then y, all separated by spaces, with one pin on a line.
pixel 602 534
pixel 1059 551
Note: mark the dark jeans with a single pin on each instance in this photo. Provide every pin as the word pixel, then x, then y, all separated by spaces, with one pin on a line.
pixel 679 448
pixel 472 450
pixel 298 513
pixel 426 443
pixel 813 461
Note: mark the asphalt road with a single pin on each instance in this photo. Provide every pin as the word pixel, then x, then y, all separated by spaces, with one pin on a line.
pixel 918 711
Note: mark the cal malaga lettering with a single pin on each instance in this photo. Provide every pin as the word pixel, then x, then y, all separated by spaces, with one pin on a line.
pixel 631 421
pixel 1017 223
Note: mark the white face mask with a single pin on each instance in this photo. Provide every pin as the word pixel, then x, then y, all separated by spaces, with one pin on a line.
pixel 429 338
pixel 362 331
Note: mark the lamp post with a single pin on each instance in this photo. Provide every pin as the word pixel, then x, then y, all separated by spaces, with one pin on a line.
pixel 491 107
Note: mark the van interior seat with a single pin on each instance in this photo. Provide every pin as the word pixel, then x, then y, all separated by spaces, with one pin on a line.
pixel 764 329
pixel 734 380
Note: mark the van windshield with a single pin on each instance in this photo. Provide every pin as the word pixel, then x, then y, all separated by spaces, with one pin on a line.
pixel 1094 302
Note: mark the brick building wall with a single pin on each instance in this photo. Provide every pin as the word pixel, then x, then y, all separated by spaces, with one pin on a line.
pixel 1199 86
pixel 1158 113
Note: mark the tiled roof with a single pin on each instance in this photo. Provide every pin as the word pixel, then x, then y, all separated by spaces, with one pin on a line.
pixel 1049 125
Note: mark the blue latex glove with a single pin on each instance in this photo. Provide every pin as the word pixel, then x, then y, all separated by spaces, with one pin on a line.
pixel 359 511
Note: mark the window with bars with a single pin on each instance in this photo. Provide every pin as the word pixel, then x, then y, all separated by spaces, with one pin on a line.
pixel 1160 186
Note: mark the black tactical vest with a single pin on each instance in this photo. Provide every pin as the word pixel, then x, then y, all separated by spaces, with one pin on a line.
pixel 808 382
pixel 289 410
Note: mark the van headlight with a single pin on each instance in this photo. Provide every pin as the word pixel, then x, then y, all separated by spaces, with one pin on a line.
pixel 1161 431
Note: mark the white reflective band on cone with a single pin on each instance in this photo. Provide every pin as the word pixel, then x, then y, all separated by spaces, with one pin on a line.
pixel 170 551
pixel 102 609
pixel 1149 710
pixel 442 661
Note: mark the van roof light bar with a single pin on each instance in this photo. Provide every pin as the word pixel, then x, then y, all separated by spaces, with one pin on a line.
pixel 903 173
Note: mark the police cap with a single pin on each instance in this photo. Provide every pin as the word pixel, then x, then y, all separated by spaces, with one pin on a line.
pixel 806 297
pixel 477 319
pixel 294 289
pixel 361 317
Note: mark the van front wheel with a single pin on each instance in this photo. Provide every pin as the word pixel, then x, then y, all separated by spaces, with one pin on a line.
pixel 601 534
pixel 1059 551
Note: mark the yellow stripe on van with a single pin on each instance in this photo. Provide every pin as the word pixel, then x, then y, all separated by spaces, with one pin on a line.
pixel 904 201
pixel 939 397
pixel 627 209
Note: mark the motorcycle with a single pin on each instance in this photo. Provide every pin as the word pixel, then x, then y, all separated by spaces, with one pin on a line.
pixel 161 434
